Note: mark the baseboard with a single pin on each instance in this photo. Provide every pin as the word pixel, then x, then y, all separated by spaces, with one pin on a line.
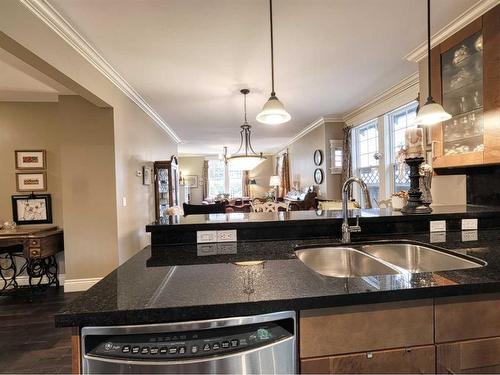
pixel 80 285
pixel 24 280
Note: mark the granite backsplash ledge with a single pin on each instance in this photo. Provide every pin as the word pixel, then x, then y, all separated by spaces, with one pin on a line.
pixel 315 224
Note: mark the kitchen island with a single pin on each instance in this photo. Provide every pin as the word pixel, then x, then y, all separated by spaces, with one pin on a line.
pixel 436 316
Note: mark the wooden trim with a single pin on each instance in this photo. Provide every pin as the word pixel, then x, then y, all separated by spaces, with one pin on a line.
pixel 75 350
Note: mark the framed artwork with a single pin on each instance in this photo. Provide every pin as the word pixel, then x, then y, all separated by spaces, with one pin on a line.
pixel 32 209
pixel 318 157
pixel 147 173
pixel 34 181
pixel 318 176
pixel 191 181
pixel 31 159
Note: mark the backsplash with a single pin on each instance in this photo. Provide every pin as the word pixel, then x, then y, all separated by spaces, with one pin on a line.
pixel 483 185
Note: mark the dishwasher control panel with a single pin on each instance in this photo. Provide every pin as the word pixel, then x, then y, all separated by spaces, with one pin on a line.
pixel 185 345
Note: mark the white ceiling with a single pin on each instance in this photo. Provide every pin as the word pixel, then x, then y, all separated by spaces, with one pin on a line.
pixel 20 82
pixel 190 58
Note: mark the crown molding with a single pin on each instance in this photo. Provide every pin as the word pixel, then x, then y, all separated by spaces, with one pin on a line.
pixel 475 11
pixel 52 18
pixel 405 90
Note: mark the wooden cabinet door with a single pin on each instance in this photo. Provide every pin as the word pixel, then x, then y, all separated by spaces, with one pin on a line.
pixel 491 37
pixel 466 357
pixel 418 360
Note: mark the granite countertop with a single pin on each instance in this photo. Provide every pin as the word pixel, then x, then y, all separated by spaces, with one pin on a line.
pixel 257 219
pixel 193 283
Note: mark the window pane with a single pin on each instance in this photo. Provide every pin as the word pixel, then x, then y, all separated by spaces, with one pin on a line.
pixel 216 170
pixel 235 183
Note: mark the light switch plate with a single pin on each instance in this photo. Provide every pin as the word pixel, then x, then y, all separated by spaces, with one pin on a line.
pixel 438 226
pixel 206 236
pixel 438 237
pixel 469 224
pixel 227 235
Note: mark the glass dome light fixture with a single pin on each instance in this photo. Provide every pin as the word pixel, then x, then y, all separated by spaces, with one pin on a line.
pixel 431 112
pixel 273 112
pixel 245 158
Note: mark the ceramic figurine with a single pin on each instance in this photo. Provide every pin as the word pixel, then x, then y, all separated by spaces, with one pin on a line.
pixel 425 183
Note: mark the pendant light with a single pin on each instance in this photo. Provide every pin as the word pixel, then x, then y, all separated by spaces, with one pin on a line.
pixel 273 112
pixel 245 158
pixel 431 113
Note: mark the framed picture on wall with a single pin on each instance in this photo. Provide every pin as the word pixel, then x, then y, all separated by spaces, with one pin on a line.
pixel 191 181
pixel 31 159
pixel 34 181
pixel 32 209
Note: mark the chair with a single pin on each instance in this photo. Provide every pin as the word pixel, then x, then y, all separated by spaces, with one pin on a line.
pixel 197 209
pixel 270 207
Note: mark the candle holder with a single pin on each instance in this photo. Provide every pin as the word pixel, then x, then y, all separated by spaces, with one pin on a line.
pixel 415 206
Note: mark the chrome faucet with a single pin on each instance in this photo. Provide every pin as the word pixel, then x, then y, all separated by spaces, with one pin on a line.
pixel 346 228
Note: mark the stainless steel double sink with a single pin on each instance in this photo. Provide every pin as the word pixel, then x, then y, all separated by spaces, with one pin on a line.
pixel 382 258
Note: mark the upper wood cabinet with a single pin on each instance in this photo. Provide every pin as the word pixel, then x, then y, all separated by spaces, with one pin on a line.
pixel 466 80
pixel 166 175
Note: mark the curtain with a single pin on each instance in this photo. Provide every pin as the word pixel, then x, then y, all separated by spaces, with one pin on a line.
pixel 347 157
pixel 205 179
pixel 284 173
pixel 245 182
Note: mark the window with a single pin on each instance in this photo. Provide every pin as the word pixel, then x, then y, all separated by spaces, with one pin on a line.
pixel 216 177
pixel 398 121
pixel 222 180
pixel 366 160
pixel 336 156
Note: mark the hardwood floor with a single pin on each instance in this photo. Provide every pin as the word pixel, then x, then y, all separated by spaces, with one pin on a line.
pixel 29 342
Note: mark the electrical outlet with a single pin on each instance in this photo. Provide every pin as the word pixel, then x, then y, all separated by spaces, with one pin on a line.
pixel 469 224
pixel 227 235
pixel 205 236
pixel 438 226
pixel 206 249
pixel 469 235
pixel 227 248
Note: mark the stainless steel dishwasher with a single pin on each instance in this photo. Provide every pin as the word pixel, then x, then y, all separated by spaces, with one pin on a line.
pixel 260 344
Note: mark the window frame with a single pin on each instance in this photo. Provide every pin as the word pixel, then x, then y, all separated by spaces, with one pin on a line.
pixel 227 179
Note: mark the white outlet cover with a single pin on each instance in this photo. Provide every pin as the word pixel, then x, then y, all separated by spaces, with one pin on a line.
pixel 227 235
pixel 469 224
pixel 469 235
pixel 438 237
pixel 438 226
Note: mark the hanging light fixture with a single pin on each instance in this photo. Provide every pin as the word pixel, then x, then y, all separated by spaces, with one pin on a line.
pixel 245 158
pixel 431 113
pixel 273 112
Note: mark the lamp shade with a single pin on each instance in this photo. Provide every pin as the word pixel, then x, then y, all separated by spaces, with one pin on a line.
pixel 431 113
pixel 273 112
pixel 275 181
pixel 244 162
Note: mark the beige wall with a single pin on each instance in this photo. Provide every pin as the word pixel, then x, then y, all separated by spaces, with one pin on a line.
pixel 78 137
pixel 138 140
pixel 442 194
pixel 192 166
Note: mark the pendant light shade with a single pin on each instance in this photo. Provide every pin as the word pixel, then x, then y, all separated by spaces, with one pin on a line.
pixel 245 159
pixel 431 113
pixel 273 112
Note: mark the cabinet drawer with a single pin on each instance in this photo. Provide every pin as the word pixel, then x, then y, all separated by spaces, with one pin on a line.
pixel 476 356
pixel 412 360
pixel 35 252
pixel 467 317
pixel 353 329
pixel 34 242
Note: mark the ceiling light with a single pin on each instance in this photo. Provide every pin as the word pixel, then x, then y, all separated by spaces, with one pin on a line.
pixel 245 158
pixel 431 113
pixel 273 112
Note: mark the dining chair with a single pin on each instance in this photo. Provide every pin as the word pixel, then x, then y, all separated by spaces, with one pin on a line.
pixel 270 207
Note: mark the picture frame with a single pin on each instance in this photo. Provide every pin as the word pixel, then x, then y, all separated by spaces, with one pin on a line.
pixel 191 181
pixel 31 181
pixel 318 176
pixel 318 157
pixel 32 209
pixel 31 159
pixel 147 173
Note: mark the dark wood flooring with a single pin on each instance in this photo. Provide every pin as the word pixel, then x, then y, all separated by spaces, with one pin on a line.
pixel 29 342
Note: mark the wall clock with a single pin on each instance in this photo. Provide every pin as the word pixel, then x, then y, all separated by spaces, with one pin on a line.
pixel 318 157
pixel 318 176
